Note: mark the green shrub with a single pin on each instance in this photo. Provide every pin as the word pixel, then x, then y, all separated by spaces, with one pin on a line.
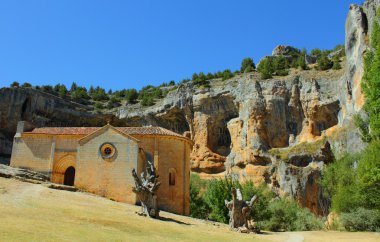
pixel 99 94
pixel 354 180
pixel 316 52
pixel 147 100
pixel 368 172
pixel 114 101
pixel 371 81
pixel 47 89
pixel 286 215
pixel 247 65
pixel 363 128
pixel 61 90
pixel 217 191
pixel 73 87
pixel 249 69
pixel 15 84
pixel 280 66
pixel 207 202
pixel 324 63
pixel 198 206
pixel 200 80
pixel 265 68
pixel 336 63
pixel 131 95
pixel 339 183
pixel 361 219
pixel 227 74
pixel 26 85
pixel 80 94
pixel 99 105
pixel 301 60
pixel 210 76
pixel 270 66
pixel 260 212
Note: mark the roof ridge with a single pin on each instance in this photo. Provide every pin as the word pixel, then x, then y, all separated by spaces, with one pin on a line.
pixel 147 130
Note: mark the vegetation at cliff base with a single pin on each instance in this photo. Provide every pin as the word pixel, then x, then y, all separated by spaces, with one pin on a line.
pixel 371 82
pixel 269 212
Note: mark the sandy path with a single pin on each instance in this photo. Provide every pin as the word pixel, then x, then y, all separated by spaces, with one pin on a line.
pixel 295 238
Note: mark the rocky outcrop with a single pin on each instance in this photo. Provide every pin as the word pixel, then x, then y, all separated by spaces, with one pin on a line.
pixel 283 50
pixel 32 177
pixel 10 172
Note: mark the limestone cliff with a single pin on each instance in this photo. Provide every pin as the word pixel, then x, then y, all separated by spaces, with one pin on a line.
pixel 279 131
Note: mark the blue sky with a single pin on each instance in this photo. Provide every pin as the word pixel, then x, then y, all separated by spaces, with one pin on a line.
pixel 129 44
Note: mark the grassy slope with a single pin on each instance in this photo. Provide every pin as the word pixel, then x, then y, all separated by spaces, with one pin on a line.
pixel 30 212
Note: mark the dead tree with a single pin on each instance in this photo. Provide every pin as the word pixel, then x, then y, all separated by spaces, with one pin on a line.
pixel 145 187
pixel 239 210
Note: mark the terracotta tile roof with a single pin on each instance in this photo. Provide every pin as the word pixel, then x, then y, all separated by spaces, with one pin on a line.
pixel 64 130
pixel 88 130
pixel 148 131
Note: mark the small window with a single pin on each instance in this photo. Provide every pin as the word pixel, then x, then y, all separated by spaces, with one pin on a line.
pixel 171 178
pixel 107 150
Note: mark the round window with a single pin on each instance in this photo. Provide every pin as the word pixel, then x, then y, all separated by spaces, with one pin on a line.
pixel 107 150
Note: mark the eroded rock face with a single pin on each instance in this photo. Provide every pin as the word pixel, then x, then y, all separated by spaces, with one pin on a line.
pixel 234 124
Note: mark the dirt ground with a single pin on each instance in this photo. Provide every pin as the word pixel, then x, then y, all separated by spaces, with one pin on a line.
pixel 32 212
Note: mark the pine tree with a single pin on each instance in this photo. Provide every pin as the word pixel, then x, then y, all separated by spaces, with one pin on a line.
pixel 265 68
pixel 247 65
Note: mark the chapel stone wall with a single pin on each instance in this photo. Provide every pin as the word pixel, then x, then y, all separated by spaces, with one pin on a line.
pixel 171 156
pixel 110 178
pixel 33 152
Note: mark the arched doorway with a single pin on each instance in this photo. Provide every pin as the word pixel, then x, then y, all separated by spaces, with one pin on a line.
pixel 60 168
pixel 69 176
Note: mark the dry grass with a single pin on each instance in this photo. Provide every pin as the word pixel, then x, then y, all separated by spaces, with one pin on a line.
pixel 32 212
pixel 302 148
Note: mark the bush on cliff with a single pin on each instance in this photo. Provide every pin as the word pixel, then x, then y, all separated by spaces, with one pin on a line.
pixel 371 82
pixel 265 68
pixel 227 74
pixel 247 65
pixel 80 95
pixel 131 95
pixel 99 94
pixel 270 66
pixel 26 85
pixel 324 63
pixel 15 84
pixel 147 101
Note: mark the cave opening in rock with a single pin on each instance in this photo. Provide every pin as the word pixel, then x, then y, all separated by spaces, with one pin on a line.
pixel 174 120
pixel 219 138
pixel 25 106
